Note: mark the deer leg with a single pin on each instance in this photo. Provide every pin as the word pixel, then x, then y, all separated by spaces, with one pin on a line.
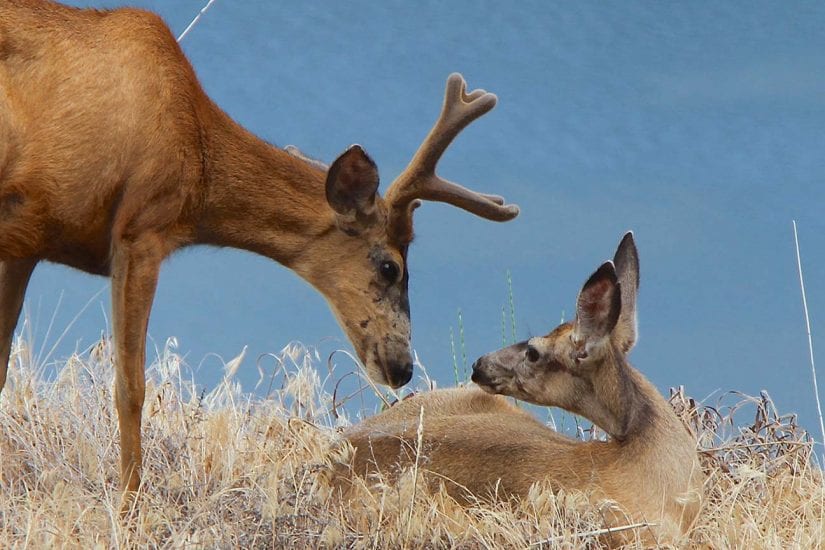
pixel 135 267
pixel 14 278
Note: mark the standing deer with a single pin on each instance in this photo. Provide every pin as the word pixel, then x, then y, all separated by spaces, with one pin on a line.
pixel 112 157
pixel 483 445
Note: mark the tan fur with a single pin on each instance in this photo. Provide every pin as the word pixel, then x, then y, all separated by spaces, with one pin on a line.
pixel 112 157
pixel 479 443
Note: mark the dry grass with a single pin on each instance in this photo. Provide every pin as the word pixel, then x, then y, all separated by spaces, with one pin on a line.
pixel 226 470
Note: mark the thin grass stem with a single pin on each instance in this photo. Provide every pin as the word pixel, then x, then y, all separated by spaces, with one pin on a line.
pixel 808 332
pixel 194 21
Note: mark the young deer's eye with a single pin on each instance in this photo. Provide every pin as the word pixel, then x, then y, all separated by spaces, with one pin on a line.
pixel 532 354
pixel 389 271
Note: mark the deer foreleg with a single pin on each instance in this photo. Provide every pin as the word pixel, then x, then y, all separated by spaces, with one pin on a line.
pixel 135 266
pixel 14 278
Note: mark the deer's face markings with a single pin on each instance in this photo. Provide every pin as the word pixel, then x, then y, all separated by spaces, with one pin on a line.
pixel 540 370
pixel 368 292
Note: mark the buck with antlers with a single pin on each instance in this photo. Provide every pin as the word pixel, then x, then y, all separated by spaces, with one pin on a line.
pixel 481 444
pixel 112 157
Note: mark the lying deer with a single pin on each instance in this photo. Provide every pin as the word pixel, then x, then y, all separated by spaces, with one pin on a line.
pixel 484 446
pixel 112 157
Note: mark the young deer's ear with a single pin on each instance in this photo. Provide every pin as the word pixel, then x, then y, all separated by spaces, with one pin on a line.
pixel 627 271
pixel 598 306
pixel 352 183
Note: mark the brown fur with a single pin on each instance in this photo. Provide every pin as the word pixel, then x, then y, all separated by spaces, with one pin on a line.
pixel 112 157
pixel 478 443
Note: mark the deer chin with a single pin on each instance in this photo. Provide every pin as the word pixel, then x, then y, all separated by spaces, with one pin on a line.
pixel 487 388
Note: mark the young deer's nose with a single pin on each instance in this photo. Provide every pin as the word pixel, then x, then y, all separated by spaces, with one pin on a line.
pixel 479 376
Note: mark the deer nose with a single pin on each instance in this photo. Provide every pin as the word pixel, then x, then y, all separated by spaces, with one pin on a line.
pixel 399 374
pixel 479 377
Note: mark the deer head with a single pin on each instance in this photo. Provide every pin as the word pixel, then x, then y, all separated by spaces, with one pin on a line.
pixel 371 236
pixel 580 366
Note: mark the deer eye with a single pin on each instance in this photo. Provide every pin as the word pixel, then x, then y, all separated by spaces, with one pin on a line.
pixel 532 354
pixel 389 271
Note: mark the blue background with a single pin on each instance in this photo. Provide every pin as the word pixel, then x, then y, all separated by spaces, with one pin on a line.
pixel 698 125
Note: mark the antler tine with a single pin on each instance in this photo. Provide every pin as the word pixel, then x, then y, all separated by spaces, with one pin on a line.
pixel 419 180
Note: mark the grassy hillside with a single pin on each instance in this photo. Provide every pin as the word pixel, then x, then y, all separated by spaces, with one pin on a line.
pixel 227 469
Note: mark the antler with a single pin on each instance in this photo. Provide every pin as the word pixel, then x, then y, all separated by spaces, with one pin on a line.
pixel 419 180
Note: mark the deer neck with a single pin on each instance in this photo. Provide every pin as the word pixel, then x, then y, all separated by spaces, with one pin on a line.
pixel 259 197
pixel 624 403
pixel 650 444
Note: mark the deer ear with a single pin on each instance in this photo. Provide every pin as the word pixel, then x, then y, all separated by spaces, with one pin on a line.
pixel 351 188
pixel 598 305
pixel 627 271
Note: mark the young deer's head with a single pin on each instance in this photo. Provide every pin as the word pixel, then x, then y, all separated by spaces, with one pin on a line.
pixel 580 366
pixel 364 276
